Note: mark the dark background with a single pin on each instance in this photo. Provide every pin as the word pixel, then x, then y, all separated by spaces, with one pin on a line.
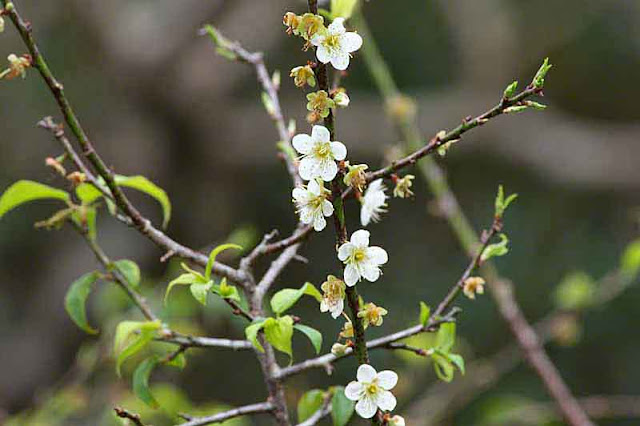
pixel 158 102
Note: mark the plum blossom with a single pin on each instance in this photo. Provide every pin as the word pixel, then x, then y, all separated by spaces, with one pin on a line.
pixel 371 391
pixel 312 204
pixel 333 297
pixel 319 154
pixel 373 202
pixel 473 286
pixel 336 45
pixel 361 260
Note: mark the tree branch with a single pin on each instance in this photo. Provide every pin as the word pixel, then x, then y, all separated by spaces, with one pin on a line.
pixel 263 407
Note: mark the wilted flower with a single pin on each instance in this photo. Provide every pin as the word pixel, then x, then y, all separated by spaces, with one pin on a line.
pixel 341 99
pixel 371 390
pixel 303 75
pixel 312 204
pixel 292 22
pixel 76 178
pixel 403 187
pixel 336 45
pixel 17 67
pixel 473 286
pixel 55 165
pixel 310 25
pixel 373 202
pixel 347 330
pixel 372 314
pixel 333 297
pixel 320 102
pixel 361 260
pixel 355 176
pixel 319 154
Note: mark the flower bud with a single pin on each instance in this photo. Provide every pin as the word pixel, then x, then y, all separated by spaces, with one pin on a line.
pixel 338 349
pixel 17 67
pixel 396 421
pixel 341 99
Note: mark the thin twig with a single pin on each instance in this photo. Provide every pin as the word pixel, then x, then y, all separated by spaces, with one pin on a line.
pixel 263 407
pixel 124 414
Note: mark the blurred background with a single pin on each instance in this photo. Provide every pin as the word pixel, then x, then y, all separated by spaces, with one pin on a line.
pixel 157 101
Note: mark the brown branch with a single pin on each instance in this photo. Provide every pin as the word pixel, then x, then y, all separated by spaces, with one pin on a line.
pixel 263 407
pixel 124 414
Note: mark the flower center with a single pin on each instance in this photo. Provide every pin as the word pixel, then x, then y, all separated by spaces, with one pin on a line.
pixel 322 149
pixel 332 41
pixel 358 255
pixel 372 388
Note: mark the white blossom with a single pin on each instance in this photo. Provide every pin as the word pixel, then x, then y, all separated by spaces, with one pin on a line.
pixel 336 45
pixel 361 260
pixel 373 202
pixel 319 154
pixel 371 390
pixel 312 204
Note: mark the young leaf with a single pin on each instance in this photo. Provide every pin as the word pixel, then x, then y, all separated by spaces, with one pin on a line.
pixel 179 361
pixel 497 249
pixel 200 291
pixel 309 403
pixel 425 313
pixel 24 191
pixel 446 337
pixel 442 366
pixel 538 80
pixel 510 90
pixel 252 333
pixel 501 203
pixel 226 291
pixel 141 381
pixel 76 298
pixel 279 332
pixel 91 216
pixel 286 298
pixel 314 336
pixel 630 262
pixel 143 184
pixel 184 279
pixel 87 193
pixel 131 337
pixel 212 257
pixel 343 8
pixel 130 270
pixel 341 407
pixel 458 361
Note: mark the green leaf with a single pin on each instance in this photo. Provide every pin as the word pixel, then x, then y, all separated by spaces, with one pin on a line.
pixel 446 336
pixel 130 270
pixel 496 250
pixel 87 193
pixel 131 337
pixel 212 257
pixel 24 191
pixel 458 361
pixel 314 335
pixel 510 90
pixel 91 217
pixel 343 8
pixel 76 298
pixel 141 381
pixel 279 332
pixel 200 291
pixel 198 276
pixel 143 184
pixel 442 366
pixel 252 333
pixel 501 203
pixel 538 80
pixel 184 279
pixel 425 313
pixel 179 361
pixel 630 262
pixel 309 403
pixel 341 407
pixel 576 291
pixel 226 291
pixel 286 298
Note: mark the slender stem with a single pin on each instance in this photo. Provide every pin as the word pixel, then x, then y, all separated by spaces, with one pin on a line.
pixel 502 289
pixel 263 407
pixel 124 414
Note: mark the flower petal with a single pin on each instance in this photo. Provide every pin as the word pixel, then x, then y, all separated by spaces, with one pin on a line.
pixel 307 168
pixel 360 238
pixel 340 60
pixel 328 170
pixel 370 272
pixel 377 255
pixel 366 408
pixel 319 223
pixel 337 27
pixel 299 194
pixel 337 310
pixel 314 187
pixel 385 400
pixel 323 54
pixel 351 275
pixel 302 143
pixel 345 251
pixel 338 150
pixel 327 208
pixel 317 39
pixel 350 42
pixel 387 379
pixel 320 134
pixel 365 215
pixel 354 391
pixel 366 373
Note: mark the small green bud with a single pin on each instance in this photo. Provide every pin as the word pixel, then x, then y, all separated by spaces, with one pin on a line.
pixel 516 108
pixel 538 80
pixel 510 90
pixel 535 105
pixel 268 104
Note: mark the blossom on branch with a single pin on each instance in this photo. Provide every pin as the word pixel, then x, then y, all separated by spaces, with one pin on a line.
pixel 372 315
pixel 361 260
pixel 403 187
pixel 473 286
pixel 355 176
pixel 373 202
pixel 333 297
pixel 312 204
pixel 336 45
pixel 17 67
pixel 319 154
pixel 303 75
pixel 320 103
pixel 371 391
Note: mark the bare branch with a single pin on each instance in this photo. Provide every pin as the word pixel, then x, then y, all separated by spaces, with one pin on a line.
pixel 263 407
pixel 124 414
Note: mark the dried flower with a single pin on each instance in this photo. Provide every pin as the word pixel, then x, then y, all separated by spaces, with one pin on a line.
pixel 333 297
pixel 372 315
pixel 310 25
pixel 355 176
pixel 320 102
pixel 76 178
pixel 303 75
pixel 347 330
pixel 403 187
pixel 17 67
pixel 473 286
pixel 292 22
